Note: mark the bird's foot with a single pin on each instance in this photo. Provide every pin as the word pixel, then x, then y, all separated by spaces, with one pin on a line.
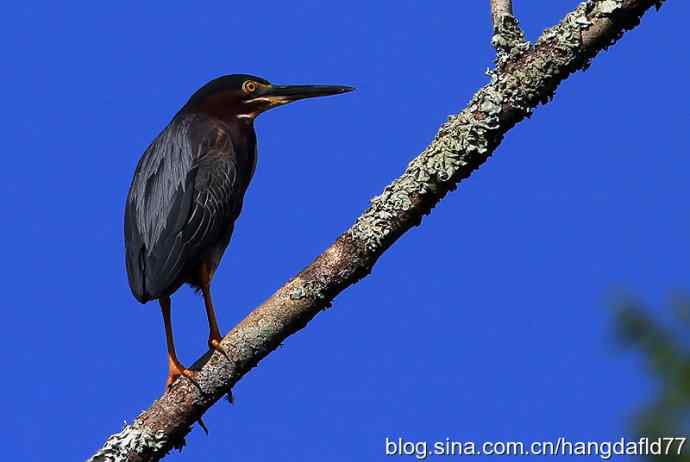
pixel 177 370
pixel 214 344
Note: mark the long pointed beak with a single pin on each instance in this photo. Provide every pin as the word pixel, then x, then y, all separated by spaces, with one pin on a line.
pixel 282 94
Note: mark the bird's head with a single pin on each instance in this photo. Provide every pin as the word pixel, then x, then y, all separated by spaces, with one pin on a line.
pixel 246 96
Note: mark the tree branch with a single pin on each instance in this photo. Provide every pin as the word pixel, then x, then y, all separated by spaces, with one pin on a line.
pixel 501 8
pixel 525 78
pixel 507 36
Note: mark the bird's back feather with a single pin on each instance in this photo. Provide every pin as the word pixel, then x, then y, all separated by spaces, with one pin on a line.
pixel 181 205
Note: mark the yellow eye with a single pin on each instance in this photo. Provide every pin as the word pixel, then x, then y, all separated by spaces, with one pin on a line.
pixel 249 86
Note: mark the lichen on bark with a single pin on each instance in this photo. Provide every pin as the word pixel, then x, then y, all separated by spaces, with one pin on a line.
pixel 132 439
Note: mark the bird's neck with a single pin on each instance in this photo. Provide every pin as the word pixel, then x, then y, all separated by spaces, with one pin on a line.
pixel 244 141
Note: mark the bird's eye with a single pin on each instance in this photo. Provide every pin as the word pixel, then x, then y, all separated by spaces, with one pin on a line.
pixel 249 86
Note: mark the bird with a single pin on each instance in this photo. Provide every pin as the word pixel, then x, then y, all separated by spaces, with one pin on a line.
pixel 187 192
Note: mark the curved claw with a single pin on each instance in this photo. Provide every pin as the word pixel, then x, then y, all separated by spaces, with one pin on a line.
pixel 179 371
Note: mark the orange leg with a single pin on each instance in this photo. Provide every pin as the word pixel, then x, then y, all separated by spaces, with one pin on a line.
pixel 175 369
pixel 214 337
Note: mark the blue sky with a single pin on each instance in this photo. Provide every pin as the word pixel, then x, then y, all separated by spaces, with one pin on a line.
pixel 491 321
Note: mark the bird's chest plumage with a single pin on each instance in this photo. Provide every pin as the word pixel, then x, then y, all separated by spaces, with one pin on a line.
pixel 243 138
pixel 242 159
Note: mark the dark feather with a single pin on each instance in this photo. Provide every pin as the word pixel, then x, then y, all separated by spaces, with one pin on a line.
pixel 181 206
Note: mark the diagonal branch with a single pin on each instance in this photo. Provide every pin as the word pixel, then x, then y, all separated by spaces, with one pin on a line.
pixel 527 78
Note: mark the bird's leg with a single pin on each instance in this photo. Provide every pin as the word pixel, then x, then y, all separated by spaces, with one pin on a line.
pixel 214 337
pixel 175 369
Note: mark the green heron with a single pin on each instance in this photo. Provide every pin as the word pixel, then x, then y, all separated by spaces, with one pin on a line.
pixel 188 189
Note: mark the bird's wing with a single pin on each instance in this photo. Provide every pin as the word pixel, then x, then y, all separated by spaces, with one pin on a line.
pixel 183 196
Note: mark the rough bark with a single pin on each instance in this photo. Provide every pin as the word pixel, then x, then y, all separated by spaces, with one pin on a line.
pixel 500 8
pixel 507 36
pixel 525 76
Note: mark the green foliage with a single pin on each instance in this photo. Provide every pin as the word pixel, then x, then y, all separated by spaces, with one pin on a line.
pixel 666 352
